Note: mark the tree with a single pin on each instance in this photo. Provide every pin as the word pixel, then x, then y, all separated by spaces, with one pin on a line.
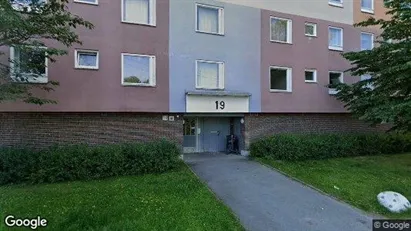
pixel 386 95
pixel 26 26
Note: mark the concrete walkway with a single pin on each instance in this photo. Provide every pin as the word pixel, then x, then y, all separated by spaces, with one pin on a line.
pixel 264 199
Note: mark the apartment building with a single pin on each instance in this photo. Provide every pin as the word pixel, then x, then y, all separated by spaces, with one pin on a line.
pixel 195 71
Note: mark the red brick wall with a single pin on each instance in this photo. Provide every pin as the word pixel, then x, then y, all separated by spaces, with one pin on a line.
pixel 260 125
pixel 44 129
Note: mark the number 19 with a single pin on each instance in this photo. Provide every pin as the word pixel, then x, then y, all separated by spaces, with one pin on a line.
pixel 219 105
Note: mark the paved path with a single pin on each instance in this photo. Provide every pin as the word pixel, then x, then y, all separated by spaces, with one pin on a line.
pixel 264 199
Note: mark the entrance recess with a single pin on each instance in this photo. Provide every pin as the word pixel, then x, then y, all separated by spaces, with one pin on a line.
pixel 209 133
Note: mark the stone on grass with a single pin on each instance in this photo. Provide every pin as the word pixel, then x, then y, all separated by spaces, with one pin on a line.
pixel 393 201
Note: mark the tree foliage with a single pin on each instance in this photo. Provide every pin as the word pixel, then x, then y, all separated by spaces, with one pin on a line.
pixel 386 95
pixel 27 26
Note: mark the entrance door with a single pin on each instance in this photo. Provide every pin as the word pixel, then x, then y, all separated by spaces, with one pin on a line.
pixel 215 130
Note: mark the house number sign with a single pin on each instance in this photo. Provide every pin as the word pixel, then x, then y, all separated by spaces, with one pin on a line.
pixel 217 104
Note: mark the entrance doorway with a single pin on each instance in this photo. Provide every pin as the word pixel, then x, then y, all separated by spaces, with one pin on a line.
pixel 209 134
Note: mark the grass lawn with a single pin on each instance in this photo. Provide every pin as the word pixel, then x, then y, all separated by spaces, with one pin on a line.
pixel 359 179
pixel 170 201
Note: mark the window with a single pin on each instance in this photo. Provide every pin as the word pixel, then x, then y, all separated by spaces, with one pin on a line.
pixel 335 38
pixel 281 30
pixel 338 3
pixel 189 126
pixel 28 64
pixel 209 19
pixel 334 77
pixel 280 79
pixel 310 29
pixel 139 11
pixel 367 6
pixel 367 41
pixel 93 2
pixel 365 78
pixel 310 75
pixel 85 59
pixel 22 5
pixel 209 74
pixel 138 70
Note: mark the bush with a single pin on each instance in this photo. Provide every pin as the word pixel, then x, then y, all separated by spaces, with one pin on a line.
pixel 315 146
pixel 83 162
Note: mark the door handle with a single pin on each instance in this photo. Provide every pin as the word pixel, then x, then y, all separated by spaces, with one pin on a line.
pixel 218 133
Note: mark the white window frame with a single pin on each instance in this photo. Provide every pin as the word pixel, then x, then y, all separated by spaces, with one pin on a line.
pixel 77 52
pixel 39 79
pixel 86 2
pixel 289 78
pixel 342 39
pixel 289 30
pixel 315 29
pixel 221 74
pixel 152 14
pixel 314 71
pixel 333 91
pixel 152 70
pixel 337 3
pixel 366 10
pixel 372 40
pixel 220 19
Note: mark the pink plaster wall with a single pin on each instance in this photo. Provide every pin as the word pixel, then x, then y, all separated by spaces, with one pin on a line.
pixel 101 90
pixel 304 53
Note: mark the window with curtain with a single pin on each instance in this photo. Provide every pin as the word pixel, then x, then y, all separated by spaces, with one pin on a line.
pixel 210 75
pixel 138 70
pixel 335 38
pixel 366 41
pixel 87 59
pixel 367 5
pixel 209 19
pixel 139 11
pixel 279 30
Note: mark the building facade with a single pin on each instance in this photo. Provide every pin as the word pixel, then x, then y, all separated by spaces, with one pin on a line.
pixel 195 72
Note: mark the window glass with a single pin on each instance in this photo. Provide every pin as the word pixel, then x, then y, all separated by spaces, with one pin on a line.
pixel 366 41
pixel 136 69
pixel 87 59
pixel 309 76
pixel 137 11
pixel 310 29
pixel 335 78
pixel 278 79
pixel 335 38
pixel 279 30
pixel 207 20
pixel 366 4
pixel 208 75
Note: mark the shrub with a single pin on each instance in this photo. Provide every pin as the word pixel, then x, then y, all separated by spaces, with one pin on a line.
pixel 83 162
pixel 316 146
